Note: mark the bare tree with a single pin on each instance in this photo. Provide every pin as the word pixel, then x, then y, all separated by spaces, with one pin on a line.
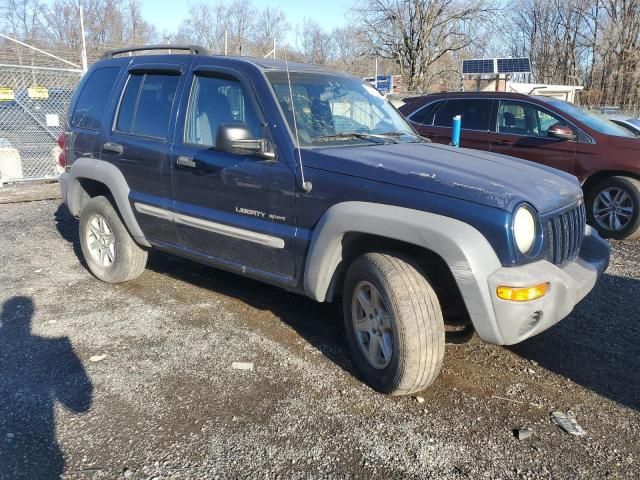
pixel 23 18
pixel 108 24
pixel 138 31
pixel 592 42
pixel 271 23
pixel 622 35
pixel 313 43
pixel 206 26
pixel 242 15
pixel 210 25
pixel 417 33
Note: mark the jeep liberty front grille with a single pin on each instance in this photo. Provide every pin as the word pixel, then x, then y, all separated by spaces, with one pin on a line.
pixel 566 232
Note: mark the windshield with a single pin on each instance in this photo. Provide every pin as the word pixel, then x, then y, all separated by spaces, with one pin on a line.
pixel 635 121
pixel 332 110
pixel 593 120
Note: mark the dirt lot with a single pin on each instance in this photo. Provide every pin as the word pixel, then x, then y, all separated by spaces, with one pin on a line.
pixel 135 380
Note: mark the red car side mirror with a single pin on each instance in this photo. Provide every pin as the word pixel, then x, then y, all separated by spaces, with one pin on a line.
pixel 561 132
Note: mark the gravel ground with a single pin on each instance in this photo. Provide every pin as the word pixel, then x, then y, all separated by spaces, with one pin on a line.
pixel 136 380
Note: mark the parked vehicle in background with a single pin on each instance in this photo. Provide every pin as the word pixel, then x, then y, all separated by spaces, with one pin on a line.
pixel 610 110
pixel 202 156
pixel 631 124
pixel 603 155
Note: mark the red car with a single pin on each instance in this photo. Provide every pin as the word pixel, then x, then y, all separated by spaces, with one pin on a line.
pixel 603 155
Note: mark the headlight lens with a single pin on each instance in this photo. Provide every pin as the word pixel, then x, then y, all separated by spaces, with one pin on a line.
pixel 524 229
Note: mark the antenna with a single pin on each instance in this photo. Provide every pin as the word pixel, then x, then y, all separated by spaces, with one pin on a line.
pixel 306 186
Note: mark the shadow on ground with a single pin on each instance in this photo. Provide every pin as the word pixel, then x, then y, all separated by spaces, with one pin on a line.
pixel 597 346
pixel 67 226
pixel 35 374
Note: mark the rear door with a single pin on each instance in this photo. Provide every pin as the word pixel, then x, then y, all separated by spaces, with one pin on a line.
pixel 138 141
pixel 230 207
pixel 521 131
pixel 436 123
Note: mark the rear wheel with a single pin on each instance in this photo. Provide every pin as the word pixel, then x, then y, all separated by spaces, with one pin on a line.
pixel 613 207
pixel 110 252
pixel 394 323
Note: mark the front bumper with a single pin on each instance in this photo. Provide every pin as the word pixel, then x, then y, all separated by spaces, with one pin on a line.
pixel 517 321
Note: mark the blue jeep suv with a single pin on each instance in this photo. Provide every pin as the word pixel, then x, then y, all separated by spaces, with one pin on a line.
pixel 311 181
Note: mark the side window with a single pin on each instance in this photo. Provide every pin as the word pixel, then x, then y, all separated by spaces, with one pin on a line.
pixel 476 114
pixel 547 120
pixel 521 118
pixel 93 98
pixel 216 101
pixel 426 115
pixel 146 104
pixel 128 103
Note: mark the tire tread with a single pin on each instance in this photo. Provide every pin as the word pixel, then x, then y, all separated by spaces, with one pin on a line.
pixel 418 321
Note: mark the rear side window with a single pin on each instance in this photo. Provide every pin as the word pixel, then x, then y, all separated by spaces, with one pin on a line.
pixel 426 115
pixel 146 104
pixel 93 98
pixel 476 114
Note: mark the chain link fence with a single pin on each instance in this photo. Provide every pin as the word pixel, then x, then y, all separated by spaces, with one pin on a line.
pixel 33 107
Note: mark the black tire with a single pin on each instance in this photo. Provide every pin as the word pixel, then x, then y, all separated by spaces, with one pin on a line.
pixel 129 259
pixel 631 187
pixel 416 319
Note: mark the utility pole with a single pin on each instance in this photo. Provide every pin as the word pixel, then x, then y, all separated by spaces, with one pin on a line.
pixel 226 49
pixel 375 79
pixel 84 45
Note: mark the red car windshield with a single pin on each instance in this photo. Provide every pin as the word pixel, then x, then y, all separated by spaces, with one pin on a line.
pixel 597 122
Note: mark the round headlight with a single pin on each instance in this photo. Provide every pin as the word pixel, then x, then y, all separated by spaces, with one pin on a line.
pixel 524 229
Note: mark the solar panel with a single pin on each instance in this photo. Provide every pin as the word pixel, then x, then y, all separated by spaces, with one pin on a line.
pixel 514 65
pixel 471 67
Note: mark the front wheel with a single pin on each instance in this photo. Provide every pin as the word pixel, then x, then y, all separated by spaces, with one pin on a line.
pixel 110 252
pixel 613 207
pixel 394 324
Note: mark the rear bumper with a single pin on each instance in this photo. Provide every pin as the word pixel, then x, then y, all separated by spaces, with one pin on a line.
pixel 517 321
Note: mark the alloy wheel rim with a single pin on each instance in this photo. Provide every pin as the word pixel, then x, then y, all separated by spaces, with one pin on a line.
pixel 613 209
pixel 372 325
pixel 100 241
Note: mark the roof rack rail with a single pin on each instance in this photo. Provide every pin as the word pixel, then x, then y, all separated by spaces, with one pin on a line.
pixel 193 49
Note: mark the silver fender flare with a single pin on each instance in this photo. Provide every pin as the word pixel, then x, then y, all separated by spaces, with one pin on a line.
pixel 111 176
pixel 466 251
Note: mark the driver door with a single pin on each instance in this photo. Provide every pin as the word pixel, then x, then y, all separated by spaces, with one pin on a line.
pixel 235 209
pixel 521 131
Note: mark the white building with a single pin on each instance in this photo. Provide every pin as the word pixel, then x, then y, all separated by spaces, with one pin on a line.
pixel 561 92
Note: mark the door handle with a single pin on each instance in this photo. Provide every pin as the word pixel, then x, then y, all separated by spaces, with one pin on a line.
pixel 113 148
pixel 504 143
pixel 186 162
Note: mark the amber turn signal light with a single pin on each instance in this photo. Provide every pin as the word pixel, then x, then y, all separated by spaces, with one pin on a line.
pixel 523 294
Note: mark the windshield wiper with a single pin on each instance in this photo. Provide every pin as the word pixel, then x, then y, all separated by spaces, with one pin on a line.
pixel 353 135
pixel 397 134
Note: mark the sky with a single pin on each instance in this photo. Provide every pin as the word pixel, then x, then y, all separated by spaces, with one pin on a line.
pixel 167 15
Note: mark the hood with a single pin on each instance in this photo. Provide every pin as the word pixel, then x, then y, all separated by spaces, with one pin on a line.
pixel 487 178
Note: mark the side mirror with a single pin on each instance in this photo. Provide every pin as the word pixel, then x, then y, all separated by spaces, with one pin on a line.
pixel 561 132
pixel 236 138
